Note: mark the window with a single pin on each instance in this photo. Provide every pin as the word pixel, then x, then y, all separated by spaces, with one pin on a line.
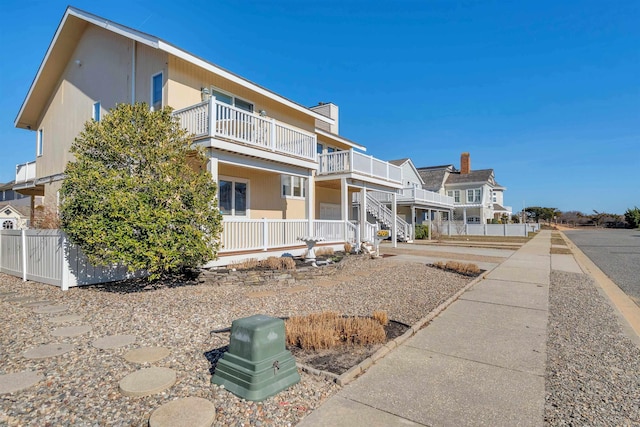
pixel 232 198
pixel 455 194
pixel 40 143
pixel 156 92
pixel 445 216
pixel 473 220
pixel 232 100
pixel 495 197
pixel 474 196
pixel 7 225
pixel 96 111
pixel 293 186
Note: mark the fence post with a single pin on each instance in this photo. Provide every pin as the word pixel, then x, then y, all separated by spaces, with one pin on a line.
pixel 265 235
pixel 23 235
pixel 504 228
pixel 65 263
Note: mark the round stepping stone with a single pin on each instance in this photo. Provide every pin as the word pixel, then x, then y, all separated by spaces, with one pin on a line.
pixel 49 309
pixel 147 381
pixel 114 341
pixel 190 411
pixel 146 354
pixel 71 331
pixel 37 303
pixel 19 381
pixel 48 350
pixel 65 318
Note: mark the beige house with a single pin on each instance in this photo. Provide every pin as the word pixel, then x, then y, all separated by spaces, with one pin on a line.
pixel 283 169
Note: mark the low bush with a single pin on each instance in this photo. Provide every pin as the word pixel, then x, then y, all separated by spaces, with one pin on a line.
pixel 325 251
pixel 278 263
pixel 421 231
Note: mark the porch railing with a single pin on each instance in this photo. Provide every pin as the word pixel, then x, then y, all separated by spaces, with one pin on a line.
pixel 216 119
pixel 25 172
pixel 263 234
pixel 353 161
pixel 421 195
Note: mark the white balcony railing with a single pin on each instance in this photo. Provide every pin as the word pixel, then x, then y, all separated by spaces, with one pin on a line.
pixel 217 119
pixel 352 161
pixel 425 196
pixel 416 195
pixel 25 172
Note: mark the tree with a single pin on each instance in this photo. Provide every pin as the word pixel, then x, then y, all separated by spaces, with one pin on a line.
pixel 632 216
pixel 138 195
pixel 537 213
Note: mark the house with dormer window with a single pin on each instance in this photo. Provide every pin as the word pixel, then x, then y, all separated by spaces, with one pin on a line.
pixel 283 170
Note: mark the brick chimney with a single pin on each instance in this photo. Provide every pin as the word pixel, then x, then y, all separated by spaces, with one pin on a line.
pixel 465 163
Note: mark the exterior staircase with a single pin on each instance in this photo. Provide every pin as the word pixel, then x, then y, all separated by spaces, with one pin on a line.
pixel 384 216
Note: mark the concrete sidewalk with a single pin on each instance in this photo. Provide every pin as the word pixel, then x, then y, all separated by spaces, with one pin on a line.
pixel 480 362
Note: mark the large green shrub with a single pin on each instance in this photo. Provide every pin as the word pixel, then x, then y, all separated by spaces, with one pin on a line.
pixel 421 231
pixel 139 195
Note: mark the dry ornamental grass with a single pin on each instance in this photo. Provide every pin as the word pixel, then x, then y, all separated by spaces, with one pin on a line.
pixel 330 329
pixel 458 267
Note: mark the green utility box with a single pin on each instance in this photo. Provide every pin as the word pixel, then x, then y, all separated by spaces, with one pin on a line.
pixel 257 365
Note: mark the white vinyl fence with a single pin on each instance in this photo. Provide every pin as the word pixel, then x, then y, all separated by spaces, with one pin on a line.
pixel 459 229
pixel 47 256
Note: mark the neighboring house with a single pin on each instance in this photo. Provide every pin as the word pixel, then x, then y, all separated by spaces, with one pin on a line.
pixel 415 203
pixel 8 194
pixel 477 197
pixel 283 170
pixel 13 217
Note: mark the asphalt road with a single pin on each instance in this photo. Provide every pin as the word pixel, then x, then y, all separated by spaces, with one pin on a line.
pixel 616 253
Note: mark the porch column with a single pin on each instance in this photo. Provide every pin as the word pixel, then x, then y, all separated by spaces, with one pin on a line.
pixel 430 224
pixel 212 167
pixel 464 219
pixel 344 206
pixel 363 213
pixel 449 220
pixel 394 215
pixel 310 202
pixel 413 217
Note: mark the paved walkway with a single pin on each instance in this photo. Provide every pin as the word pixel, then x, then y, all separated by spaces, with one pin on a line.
pixel 481 362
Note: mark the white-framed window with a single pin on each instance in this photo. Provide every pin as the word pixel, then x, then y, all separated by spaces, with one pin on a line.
pixel 445 216
pixel 96 112
pixel 292 186
pixel 495 197
pixel 233 196
pixel 227 98
pixel 474 195
pixel 40 143
pixel 7 225
pixel 156 91
pixel 473 220
pixel 455 194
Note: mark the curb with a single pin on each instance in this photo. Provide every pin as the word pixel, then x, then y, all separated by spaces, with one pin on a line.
pixel 387 348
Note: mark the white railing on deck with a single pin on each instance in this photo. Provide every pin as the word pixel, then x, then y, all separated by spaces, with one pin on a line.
pixel 263 234
pixel 421 195
pixel 213 118
pixel 25 172
pixel 352 161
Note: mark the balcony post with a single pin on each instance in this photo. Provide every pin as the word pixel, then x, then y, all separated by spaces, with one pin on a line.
pixel 272 128
pixel 212 116
pixel 394 214
pixel 351 160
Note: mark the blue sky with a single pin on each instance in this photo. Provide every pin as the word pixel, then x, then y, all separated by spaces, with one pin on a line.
pixel 546 93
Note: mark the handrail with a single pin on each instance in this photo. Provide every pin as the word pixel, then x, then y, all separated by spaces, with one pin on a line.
pixel 353 161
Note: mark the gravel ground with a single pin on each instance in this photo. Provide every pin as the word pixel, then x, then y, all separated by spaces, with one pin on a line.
pixel 80 388
pixel 593 368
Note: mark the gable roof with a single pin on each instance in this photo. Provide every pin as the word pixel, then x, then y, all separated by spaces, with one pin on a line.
pixel 399 162
pixel 72 25
pixel 22 211
pixel 481 175
pixel 434 176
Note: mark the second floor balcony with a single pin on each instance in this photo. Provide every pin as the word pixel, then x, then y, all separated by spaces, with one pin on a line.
pixel 215 119
pixel 352 162
pixel 25 172
pixel 417 196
